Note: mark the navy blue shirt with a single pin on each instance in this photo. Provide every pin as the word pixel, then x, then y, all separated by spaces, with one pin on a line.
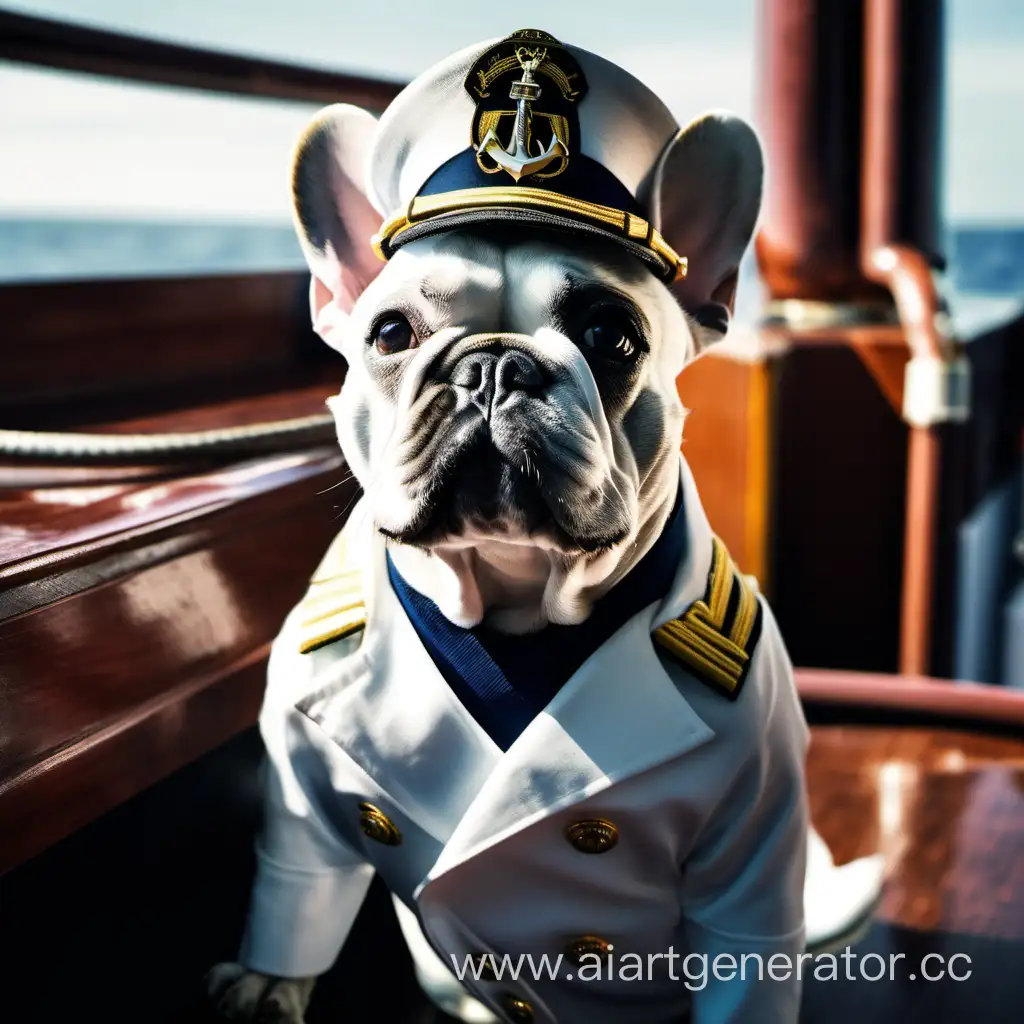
pixel 504 681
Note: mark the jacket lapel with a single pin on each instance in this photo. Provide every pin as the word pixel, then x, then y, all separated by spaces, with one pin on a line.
pixel 619 715
pixel 390 710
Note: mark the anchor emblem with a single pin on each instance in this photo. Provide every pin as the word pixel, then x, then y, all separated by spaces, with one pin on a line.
pixel 518 161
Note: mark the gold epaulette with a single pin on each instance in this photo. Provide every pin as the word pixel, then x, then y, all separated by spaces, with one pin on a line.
pixel 333 606
pixel 716 636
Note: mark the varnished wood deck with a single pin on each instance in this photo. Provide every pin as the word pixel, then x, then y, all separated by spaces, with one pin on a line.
pixel 947 810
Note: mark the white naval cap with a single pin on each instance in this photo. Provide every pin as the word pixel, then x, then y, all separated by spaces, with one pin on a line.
pixel 522 128
pixel 531 130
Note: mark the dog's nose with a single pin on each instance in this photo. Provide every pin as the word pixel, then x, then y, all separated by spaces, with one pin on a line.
pixel 516 371
pixel 489 379
pixel 474 375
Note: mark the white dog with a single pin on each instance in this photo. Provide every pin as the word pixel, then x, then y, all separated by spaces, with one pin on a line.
pixel 528 686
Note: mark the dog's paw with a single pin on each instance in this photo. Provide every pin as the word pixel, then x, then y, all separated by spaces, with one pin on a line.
pixel 241 995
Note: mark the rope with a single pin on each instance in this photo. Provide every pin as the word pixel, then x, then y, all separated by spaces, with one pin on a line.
pixel 255 439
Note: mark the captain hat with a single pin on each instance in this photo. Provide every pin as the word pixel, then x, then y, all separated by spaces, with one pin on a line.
pixel 526 129
pixel 530 130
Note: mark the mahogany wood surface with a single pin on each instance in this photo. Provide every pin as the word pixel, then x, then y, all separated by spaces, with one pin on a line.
pixel 96 351
pixel 727 443
pixel 135 620
pixel 47 528
pixel 946 808
pixel 295 402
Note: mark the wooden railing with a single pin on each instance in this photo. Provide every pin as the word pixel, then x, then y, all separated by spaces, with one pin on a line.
pixel 56 44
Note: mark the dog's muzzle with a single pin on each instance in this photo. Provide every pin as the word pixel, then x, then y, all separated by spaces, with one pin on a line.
pixel 499 432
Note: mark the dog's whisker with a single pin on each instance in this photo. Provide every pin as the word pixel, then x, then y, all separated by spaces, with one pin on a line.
pixel 347 478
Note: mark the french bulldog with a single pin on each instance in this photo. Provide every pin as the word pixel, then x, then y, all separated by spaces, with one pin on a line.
pixel 510 406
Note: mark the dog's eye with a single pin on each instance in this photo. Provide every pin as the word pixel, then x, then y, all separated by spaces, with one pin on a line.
pixel 611 338
pixel 394 335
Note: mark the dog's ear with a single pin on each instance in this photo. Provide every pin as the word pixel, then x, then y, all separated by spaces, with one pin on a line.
pixel 334 218
pixel 704 195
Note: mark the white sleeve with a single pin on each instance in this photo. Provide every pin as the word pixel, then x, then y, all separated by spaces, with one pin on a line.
pixel 744 885
pixel 309 883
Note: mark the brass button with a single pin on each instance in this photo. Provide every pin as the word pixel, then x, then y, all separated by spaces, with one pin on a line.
pixel 595 835
pixel 378 826
pixel 483 966
pixel 519 1011
pixel 587 944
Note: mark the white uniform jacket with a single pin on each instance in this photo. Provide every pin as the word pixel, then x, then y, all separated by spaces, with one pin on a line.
pixel 643 810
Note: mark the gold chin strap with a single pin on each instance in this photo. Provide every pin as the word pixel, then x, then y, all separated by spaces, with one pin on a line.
pixel 626 226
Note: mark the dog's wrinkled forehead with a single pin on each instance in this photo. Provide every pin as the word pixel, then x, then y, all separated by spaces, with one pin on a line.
pixel 504 281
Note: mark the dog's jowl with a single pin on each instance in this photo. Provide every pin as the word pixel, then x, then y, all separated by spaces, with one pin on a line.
pixel 528 686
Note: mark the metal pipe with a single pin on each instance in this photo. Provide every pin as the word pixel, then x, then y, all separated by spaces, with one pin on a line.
pixel 936 383
pixel 809 88
pixel 919 534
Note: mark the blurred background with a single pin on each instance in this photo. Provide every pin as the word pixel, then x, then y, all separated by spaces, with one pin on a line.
pixel 169 478
pixel 109 178
pixel 106 178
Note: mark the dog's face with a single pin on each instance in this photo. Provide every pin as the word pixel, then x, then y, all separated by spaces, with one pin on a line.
pixel 513 386
pixel 510 406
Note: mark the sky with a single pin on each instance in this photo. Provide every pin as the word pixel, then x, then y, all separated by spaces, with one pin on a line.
pixel 79 146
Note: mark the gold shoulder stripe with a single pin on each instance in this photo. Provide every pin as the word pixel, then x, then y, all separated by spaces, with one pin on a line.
pixel 716 636
pixel 327 631
pixel 333 606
